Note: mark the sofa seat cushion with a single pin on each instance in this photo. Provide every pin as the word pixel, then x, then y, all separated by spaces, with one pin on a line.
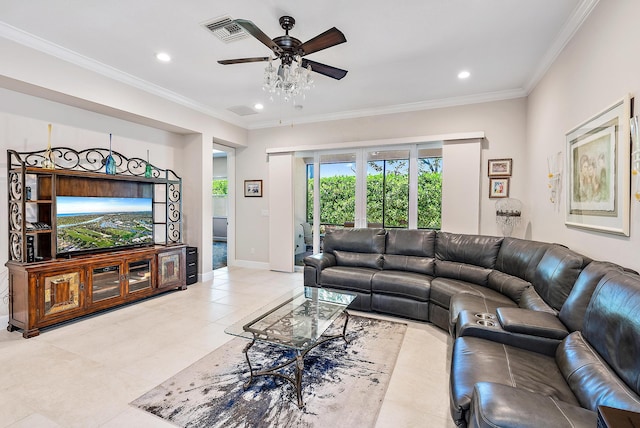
pixel 402 284
pixel 496 405
pixel 442 289
pixel 591 378
pixel 348 278
pixel 476 360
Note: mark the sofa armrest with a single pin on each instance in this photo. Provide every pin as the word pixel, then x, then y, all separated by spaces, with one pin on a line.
pixel 496 405
pixel 314 264
pixel 320 260
pixel 535 323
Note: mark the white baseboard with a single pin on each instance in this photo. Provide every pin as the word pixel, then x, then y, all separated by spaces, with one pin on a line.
pixel 205 276
pixel 250 264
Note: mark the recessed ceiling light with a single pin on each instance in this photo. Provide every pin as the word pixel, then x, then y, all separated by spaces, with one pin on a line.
pixel 163 56
pixel 464 74
pixel 258 106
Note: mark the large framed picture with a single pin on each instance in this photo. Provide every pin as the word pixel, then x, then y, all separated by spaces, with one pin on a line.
pixel 253 188
pixel 500 167
pixel 499 187
pixel 598 156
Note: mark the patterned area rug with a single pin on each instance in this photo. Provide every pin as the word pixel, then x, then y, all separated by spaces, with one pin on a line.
pixel 219 255
pixel 343 384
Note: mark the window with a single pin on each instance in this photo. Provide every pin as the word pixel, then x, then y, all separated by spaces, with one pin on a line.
pixel 397 187
pixel 337 189
pixel 429 188
pixel 388 189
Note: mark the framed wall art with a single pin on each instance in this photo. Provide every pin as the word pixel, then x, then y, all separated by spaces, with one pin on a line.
pixel 253 188
pixel 500 167
pixel 499 187
pixel 598 156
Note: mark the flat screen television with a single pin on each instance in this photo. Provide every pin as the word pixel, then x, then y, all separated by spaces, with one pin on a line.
pixel 91 224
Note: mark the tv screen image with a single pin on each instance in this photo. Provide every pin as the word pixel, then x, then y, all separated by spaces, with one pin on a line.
pixel 100 223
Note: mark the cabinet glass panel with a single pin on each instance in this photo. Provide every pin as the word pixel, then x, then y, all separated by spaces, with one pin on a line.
pixel 105 282
pixel 61 292
pixel 139 275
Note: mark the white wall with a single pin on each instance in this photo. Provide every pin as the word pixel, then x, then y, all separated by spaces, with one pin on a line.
pixel 503 123
pixel 599 66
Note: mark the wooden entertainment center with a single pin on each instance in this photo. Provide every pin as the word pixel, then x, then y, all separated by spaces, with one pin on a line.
pixel 47 288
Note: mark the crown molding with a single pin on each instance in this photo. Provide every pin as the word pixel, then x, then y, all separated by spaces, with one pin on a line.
pixel 575 21
pixel 400 108
pixel 34 42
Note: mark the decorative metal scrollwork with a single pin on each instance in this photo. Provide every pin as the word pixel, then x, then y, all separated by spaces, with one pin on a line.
pixel 173 192
pixel 15 186
pixel 173 233
pixel 93 160
pixel 89 160
pixel 15 246
pixel 15 217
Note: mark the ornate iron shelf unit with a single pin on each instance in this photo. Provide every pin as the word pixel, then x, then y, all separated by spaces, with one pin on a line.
pixel 30 184
pixel 45 289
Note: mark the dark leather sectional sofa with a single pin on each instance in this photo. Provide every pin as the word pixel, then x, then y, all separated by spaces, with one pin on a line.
pixel 543 335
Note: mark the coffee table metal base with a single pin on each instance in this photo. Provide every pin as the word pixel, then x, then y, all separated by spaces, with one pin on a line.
pixel 298 360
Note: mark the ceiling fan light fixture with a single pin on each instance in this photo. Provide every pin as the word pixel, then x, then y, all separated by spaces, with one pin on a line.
pixel 288 81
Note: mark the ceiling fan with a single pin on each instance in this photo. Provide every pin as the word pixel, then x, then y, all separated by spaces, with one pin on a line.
pixel 287 48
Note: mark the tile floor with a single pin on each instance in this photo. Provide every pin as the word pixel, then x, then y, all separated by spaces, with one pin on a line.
pixel 85 373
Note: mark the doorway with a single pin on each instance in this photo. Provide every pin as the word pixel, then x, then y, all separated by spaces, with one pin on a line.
pixel 220 202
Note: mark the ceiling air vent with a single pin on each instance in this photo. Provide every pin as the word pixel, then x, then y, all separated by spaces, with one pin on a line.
pixel 242 110
pixel 225 29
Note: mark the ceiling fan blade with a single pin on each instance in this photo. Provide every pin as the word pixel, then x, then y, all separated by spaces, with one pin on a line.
pixel 252 29
pixel 327 70
pixel 243 60
pixel 329 38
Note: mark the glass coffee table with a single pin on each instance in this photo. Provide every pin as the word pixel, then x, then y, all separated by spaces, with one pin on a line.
pixel 296 321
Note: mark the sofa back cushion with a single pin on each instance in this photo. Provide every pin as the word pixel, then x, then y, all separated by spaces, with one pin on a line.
pixel 410 250
pixel 530 299
pixel 409 263
pixel 612 325
pixel 368 260
pixel 405 242
pixel 474 250
pixel 556 274
pixel 509 285
pixel 590 378
pixel 574 308
pixel 462 272
pixel 519 257
pixel 355 240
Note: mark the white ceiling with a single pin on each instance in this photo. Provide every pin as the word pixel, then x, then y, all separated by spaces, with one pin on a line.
pixel 401 55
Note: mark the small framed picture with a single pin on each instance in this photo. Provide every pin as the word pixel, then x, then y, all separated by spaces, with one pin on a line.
pixel 253 188
pixel 499 187
pixel 500 167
